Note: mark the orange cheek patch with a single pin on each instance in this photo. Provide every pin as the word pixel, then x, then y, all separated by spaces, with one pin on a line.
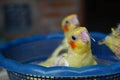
pixel 66 28
pixel 72 44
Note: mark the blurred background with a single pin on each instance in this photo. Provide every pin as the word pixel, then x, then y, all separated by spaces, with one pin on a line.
pixel 21 18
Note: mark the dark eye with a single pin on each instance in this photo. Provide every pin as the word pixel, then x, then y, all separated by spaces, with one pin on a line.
pixel 67 22
pixel 73 38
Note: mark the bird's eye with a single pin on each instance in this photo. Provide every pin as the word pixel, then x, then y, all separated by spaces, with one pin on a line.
pixel 67 22
pixel 73 37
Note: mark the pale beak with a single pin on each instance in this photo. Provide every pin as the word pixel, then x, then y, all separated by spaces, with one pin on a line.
pixel 75 20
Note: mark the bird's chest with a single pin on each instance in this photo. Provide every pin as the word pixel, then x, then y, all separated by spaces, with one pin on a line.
pixel 76 60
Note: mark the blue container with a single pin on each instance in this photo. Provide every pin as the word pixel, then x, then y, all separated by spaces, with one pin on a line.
pixel 16 55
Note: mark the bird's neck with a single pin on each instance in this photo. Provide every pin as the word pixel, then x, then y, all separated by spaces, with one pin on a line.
pixel 80 52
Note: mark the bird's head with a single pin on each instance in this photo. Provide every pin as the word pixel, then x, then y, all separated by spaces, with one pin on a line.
pixel 116 32
pixel 69 23
pixel 79 40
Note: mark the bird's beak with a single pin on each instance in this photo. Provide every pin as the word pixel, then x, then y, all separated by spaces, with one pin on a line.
pixel 84 36
pixel 75 20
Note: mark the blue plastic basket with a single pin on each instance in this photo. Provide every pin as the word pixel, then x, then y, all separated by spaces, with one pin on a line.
pixel 16 56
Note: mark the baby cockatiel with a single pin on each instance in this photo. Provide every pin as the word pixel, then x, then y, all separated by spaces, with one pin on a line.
pixel 79 52
pixel 113 41
pixel 68 24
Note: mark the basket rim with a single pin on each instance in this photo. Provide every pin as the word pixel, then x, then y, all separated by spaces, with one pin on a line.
pixel 95 70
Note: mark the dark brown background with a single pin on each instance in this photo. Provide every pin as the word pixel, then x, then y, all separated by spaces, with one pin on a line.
pixel 46 15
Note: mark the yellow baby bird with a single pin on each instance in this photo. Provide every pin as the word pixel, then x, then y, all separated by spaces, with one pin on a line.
pixel 79 52
pixel 68 24
pixel 113 41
